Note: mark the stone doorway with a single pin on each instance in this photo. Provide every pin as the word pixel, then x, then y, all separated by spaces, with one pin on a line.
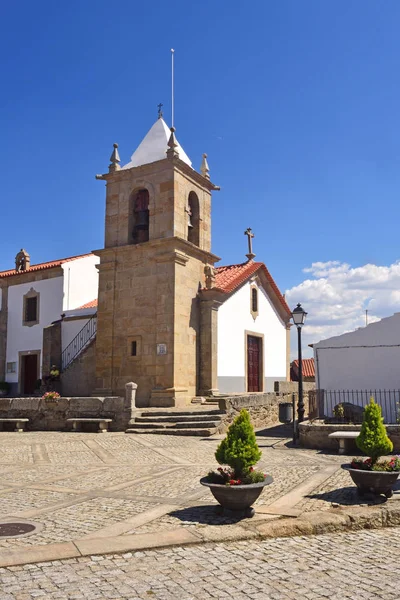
pixel 29 371
pixel 254 363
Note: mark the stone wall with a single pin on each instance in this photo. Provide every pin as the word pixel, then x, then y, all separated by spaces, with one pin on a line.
pixel 79 378
pixel 51 348
pixel 315 435
pixel 45 418
pixel 263 408
pixel 292 387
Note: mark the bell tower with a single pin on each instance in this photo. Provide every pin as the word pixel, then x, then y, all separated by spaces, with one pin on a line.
pixel 157 247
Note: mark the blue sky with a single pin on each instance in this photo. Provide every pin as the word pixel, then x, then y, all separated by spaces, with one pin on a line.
pixel 296 104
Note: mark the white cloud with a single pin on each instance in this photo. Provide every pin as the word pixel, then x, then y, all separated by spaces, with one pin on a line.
pixel 336 296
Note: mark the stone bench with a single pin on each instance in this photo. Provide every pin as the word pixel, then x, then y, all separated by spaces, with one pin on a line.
pixel 343 436
pixel 77 422
pixel 19 423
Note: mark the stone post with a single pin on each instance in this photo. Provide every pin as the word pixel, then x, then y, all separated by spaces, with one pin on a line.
pixel 208 347
pixel 130 398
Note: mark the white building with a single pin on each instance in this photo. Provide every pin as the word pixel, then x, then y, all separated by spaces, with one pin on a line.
pixel 253 329
pixel 363 362
pixel 31 298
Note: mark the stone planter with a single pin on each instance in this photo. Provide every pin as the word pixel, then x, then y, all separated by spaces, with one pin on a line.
pixel 51 403
pixel 237 497
pixel 377 482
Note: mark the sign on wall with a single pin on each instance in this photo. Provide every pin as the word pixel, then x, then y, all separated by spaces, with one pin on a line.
pixel 161 349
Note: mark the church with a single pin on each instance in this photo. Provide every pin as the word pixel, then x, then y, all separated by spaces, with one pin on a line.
pixel 151 306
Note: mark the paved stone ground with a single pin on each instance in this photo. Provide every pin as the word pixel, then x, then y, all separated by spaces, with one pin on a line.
pixel 357 566
pixel 87 485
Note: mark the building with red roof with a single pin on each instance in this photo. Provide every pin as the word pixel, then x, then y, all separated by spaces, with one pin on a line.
pixel 162 313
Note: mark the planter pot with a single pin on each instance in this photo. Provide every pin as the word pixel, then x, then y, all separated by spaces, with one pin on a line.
pixel 51 403
pixel 237 497
pixel 377 482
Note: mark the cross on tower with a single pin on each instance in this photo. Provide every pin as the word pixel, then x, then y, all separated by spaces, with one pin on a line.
pixel 250 236
pixel 160 112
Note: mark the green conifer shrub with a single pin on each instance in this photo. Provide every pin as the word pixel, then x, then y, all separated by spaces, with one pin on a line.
pixel 373 439
pixel 239 449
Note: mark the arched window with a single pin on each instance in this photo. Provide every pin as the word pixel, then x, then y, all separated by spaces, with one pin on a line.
pixel 193 223
pixel 139 217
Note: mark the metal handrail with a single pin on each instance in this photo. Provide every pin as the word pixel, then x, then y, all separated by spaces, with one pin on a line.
pixel 79 342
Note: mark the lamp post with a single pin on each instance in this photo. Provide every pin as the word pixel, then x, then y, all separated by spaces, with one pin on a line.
pixel 299 316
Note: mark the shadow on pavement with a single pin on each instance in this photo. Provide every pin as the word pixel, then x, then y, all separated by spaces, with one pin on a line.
pixel 206 515
pixel 347 496
pixel 277 431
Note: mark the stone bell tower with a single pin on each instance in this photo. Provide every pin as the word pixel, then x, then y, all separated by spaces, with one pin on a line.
pixel 151 329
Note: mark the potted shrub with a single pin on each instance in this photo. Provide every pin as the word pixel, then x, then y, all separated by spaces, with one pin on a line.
pixel 237 485
pixel 372 474
pixel 4 388
pixel 51 399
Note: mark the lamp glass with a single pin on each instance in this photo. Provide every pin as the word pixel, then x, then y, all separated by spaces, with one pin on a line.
pixel 299 315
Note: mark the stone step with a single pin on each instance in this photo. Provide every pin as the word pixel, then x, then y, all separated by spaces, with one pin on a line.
pixel 170 431
pixel 183 413
pixel 168 425
pixel 175 419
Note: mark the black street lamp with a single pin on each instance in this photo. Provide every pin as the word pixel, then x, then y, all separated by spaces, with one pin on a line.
pixel 299 316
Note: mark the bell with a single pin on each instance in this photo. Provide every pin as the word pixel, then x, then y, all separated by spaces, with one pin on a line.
pixel 189 212
pixel 142 218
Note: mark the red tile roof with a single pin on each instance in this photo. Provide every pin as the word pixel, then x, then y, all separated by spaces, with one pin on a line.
pixel 91 304
pixel 43 266
pixel 308 367
pixel 229 278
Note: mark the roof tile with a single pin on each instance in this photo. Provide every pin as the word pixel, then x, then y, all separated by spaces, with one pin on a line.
pixel 308 366
pixel 230 277
pixel 91 304
pixel 42 266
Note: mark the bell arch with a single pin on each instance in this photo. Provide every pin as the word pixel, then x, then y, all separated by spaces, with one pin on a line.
pixel 193 222
pixel 139 219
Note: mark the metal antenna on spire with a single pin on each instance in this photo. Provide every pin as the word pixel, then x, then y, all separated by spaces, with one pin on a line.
pixel 172 86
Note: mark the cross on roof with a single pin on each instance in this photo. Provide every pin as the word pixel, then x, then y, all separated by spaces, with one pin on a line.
pixel 250 236
pixel 160 112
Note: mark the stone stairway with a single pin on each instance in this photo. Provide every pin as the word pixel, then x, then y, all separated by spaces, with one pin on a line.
pixel 176 422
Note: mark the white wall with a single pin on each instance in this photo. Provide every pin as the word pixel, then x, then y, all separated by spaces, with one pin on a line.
pixel 23 338
pixel 234 318
pixel 366 359
pixel 70 329
pixel 81 281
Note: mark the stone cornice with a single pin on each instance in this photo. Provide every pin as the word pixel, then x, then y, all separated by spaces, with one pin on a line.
pixel 157 166
pixel 158 246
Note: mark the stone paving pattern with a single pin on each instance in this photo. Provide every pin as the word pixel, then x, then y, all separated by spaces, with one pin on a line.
pixel 355 566
pixel 80 484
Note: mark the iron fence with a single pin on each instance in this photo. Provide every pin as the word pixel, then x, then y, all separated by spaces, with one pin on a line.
pixel 324 403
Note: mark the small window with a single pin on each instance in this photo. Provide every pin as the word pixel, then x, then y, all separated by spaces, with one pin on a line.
pixel 254 301
pixel 30 314
pixel 134 347
pixel 11 367
pixel 31 309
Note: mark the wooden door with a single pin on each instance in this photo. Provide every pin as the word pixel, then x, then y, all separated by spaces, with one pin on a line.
pixel 253 363
pixel 30 373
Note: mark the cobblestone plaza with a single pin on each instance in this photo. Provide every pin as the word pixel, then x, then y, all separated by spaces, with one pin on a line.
pixel 90 489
